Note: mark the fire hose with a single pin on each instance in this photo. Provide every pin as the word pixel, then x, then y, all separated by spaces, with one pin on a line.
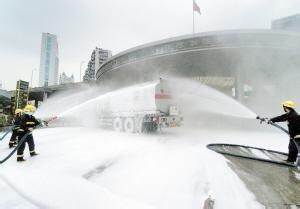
pixel 215 147
pixel 22 140
pixel 16 148
pixel 284 130
pixel 7 132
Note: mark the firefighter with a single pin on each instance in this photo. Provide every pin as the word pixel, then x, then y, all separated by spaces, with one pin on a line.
pixel 13 139
pixel 293 122
pixel 27 124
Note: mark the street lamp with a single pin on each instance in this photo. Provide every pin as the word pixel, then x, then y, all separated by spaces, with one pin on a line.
pixel 30 85
pixel 81 63
pixel 32 76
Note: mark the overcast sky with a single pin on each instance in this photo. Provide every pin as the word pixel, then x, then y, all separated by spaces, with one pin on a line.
pixel 81 25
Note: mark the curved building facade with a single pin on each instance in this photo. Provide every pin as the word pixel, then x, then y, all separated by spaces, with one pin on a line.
pixel 235 61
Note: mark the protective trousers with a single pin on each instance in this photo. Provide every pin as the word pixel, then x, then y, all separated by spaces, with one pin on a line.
pixel 297 141
pixel 293 151
pixel 13 139
pixel 29 141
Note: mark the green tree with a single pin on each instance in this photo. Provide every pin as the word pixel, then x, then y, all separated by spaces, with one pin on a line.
pixel 2 120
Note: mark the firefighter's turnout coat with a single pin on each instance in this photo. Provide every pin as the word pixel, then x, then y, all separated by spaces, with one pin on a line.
pixel 293 122
pixel 26 123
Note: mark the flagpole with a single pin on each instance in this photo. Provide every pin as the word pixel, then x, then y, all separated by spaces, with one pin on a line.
pixel 193 18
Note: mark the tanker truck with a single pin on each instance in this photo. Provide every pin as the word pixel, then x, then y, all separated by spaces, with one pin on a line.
pixel 145 107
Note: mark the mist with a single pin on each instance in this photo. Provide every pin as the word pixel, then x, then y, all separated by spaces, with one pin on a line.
pixel 171 168
pixel 139 169
pixel 271 74
pixel 201 106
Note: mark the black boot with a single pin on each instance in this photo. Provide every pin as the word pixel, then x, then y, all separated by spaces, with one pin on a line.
pixel 288 161
pixel 12 144
pixel 33 154
pixel 20 159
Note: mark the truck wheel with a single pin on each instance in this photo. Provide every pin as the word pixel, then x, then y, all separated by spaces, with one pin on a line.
pixel 129 125
pixel 139 124
pixel 118 125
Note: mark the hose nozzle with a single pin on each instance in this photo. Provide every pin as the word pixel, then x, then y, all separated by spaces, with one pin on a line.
pixel 262 119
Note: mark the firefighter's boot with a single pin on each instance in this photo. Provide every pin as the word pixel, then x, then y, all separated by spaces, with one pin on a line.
pixel 20 159
pixel 32 154
pixel 298 161
pixel 12 144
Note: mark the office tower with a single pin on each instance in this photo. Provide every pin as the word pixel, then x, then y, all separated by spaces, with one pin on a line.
pixel 48 73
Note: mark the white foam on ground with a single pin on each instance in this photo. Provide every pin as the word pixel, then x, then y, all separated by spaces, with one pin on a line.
pixel 168 170
pixel 172 169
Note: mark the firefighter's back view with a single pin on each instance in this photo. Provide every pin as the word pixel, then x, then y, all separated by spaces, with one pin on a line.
pixel 293 120
pixel 27 123
pixel 16 125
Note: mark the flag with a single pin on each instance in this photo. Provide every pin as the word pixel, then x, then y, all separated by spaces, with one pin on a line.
pixel 196 7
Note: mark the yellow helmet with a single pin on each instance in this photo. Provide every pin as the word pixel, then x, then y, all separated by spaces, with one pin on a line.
pixel 17 111
pixel 29 109
pixel 289 104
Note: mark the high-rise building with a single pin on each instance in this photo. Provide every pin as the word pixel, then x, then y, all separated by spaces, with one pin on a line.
pixel 290 23
pixel 98 57
pixel 63 78
pixel 49 60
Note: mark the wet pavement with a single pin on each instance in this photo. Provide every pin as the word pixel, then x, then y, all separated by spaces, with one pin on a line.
pixel 275 186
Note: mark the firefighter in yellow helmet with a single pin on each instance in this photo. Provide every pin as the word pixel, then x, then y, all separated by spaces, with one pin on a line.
pixel 293 120
pixel 13 139
pixel 27 123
